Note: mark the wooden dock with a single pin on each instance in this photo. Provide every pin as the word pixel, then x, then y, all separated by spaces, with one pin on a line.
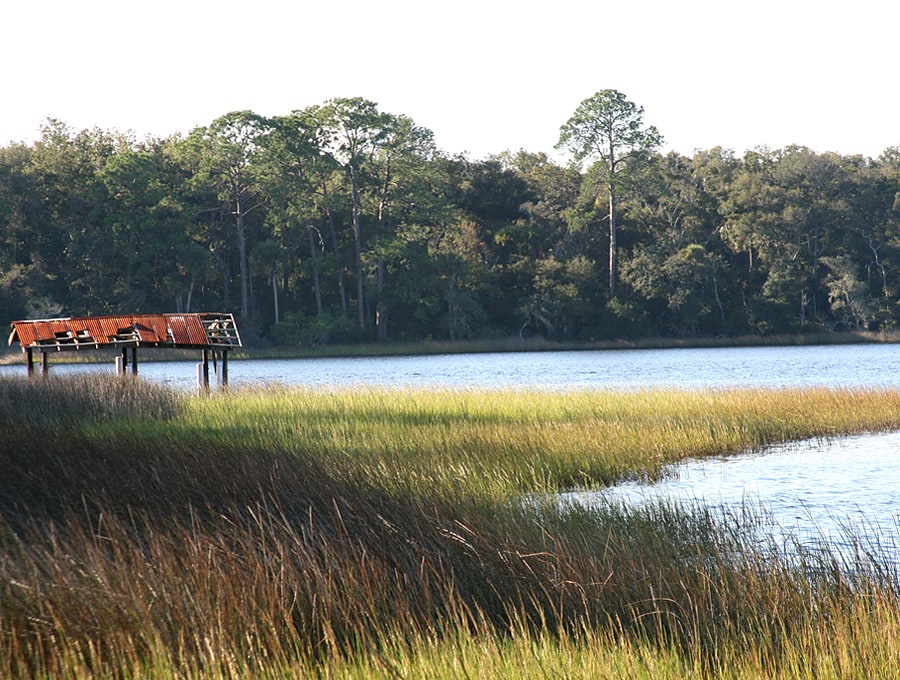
pixel 210 332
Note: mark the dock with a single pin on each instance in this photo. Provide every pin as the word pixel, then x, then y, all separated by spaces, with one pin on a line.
pixel 210 332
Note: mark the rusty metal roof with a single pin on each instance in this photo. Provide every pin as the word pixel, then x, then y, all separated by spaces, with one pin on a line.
pixel 179 331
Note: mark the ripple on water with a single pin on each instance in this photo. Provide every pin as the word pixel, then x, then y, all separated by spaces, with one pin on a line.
pixel 841 491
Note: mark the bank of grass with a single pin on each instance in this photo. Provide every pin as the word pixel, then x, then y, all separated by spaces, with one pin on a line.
pixel 508 442
pixel 392 533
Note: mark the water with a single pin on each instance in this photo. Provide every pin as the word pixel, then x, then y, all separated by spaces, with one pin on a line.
pixel 837 491
pixel 812 489
pixel 829 366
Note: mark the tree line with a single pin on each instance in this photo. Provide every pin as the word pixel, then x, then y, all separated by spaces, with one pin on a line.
pixel 344 223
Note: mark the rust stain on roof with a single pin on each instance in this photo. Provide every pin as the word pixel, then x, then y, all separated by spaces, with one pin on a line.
pixel 180 331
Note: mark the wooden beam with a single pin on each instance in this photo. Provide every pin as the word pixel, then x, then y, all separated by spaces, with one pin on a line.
pixel 205 354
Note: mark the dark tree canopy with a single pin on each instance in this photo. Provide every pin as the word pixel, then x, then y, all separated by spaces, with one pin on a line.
pixel 345 223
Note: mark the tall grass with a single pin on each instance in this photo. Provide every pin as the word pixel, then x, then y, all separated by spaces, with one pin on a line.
pixel 371 533
pixel 517 441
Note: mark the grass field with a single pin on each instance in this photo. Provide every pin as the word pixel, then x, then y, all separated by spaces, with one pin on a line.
pixel 412 533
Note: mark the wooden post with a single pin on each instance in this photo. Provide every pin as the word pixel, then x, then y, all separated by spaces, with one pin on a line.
pixel 134 360
pixel 124 361
pixel 29 358
pixel 224 368
pixel 44 365
pixel 206 370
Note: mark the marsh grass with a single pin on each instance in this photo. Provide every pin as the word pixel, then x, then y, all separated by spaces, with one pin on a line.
pixel 372 533
pixel 517 441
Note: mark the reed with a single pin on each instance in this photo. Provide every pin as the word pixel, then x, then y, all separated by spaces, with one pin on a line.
pixel 378 533
pixel 516 441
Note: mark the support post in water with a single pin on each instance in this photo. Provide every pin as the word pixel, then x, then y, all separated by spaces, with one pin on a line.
pixel 203 372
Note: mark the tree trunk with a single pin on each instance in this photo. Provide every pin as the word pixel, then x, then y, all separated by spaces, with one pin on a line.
pixel 275 294
pixel 242 256
pixel 315 267
pixel 451 306
pixel 381 314
pixel 878 265
pixel 357 241
pixel 613 245
pixel 718 298
pixel 226 280
pixel 187 307
pixel 337 253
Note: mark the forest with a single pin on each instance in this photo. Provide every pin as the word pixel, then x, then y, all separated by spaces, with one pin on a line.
pixel 341 223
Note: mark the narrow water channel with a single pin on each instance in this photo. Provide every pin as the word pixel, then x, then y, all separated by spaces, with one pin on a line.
pixel 837 491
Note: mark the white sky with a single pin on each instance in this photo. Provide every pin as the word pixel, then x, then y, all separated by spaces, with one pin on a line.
pixel 483 75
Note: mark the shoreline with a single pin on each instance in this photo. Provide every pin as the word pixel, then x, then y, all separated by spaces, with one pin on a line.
pixel 12 356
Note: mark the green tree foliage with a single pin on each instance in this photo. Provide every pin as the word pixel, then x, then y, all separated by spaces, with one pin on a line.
pixel 609 130
pixel 76 250
pixel 305 196
pixel 352 132
pixel 673 266
pixel 228 153
pixel 149 227
pixel 22 280
pixel 786 211
pixel 342 222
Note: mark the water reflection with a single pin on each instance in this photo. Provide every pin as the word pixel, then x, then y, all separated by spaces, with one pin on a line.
pixel 814 491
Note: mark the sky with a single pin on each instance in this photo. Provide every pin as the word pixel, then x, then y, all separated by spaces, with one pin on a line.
pixel 485 76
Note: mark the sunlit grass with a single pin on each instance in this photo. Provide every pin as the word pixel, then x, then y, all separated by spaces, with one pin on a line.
pixel 413 533
pixel 514 441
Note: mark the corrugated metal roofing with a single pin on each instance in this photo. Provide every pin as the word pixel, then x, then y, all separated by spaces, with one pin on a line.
pixel 189 331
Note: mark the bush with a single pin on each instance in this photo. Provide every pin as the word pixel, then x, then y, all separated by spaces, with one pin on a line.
pixel 302 330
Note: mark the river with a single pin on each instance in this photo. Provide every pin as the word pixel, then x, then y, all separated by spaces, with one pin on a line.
pixel 689 368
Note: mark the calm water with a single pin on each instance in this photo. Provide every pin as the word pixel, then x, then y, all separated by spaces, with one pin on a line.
pixel 812 489
pixel 843 365
pixel 839 491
